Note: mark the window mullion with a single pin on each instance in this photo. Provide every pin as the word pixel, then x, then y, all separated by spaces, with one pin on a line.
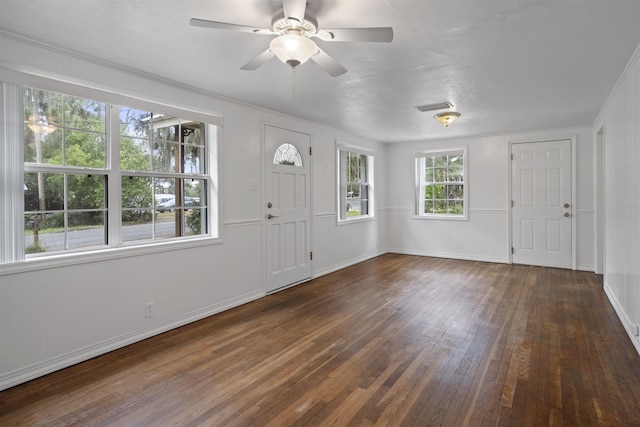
pixel 114 178
pixel 343 184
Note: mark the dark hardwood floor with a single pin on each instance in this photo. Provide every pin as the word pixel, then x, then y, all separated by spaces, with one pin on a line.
pixel 397 340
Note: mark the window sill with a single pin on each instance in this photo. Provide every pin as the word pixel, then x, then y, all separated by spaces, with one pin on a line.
pixel 69 259
pixel 356 219
pixel 442 217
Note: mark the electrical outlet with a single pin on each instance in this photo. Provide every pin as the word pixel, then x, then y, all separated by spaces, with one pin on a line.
pixel 148 309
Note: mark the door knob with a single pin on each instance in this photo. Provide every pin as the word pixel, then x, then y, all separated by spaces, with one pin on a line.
pixel 566 205
pixel 567 214
pixel 269 216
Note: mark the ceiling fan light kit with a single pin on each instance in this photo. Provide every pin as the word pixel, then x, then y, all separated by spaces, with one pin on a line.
pixel 293 49
pixel 294 28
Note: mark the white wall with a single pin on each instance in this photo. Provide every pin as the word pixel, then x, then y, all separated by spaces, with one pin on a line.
pixel 485 236
pixel 53 317
pixel 620 120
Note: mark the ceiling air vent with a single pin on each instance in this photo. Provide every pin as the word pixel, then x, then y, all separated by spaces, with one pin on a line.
pixel 433 107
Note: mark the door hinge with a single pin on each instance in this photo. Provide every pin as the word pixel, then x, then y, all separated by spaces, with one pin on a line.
pixel 310 151
pixel 513 251
pixel 512 204
pixel 511 156
pixel 310 255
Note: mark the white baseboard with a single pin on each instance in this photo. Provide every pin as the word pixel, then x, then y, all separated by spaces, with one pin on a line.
pixel 629 326
pixel 28 373
pixel 346 264
pixel 450 256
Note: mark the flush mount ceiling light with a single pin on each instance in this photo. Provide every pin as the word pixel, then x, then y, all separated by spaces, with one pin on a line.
pixel 447 118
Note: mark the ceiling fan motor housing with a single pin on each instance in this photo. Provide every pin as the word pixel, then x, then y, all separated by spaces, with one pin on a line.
pixel 281 24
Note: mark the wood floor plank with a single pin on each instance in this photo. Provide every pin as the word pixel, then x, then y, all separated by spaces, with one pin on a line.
pixel 394 341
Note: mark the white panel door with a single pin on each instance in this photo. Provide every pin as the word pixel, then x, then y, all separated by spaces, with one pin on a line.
pixel 541 203
pixel 288 211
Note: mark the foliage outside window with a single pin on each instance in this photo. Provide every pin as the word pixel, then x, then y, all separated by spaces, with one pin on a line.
pixel 440 184
pixel 85 188
pixel 356 183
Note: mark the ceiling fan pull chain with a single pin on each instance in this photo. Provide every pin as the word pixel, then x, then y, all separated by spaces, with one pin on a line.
pixel 293 83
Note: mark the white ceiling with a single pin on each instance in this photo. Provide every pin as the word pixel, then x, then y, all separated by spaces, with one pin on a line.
pixel 506 65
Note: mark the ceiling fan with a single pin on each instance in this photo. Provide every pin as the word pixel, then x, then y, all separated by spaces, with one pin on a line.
pixel 294 28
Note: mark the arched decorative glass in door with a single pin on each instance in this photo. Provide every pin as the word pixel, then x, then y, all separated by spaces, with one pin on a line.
pixel 288 155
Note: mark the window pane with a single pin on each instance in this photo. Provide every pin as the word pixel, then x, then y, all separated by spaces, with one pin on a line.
pixel 196 223
pixel 137 208
pixel 165 128
pixel 44 191
pixel 86 229
pixel 428 206
pixel 85 191
pixel 85 149
pixel 455 174
pixel 165 190
pixel 440 161
pixel 192 132
pixel 42 148
pixel 166 226
pixel 353 208
pixel 137 224
pixel 428 162
pixel 356 167
pixel 428 175
pixel 194 193
pixel 84 114
pixel 454 191
pixel 193 160
pixel 164 156
pixel 42 109
pixel 135 123
pixel 455 207
pixel 364 200
pixel 137 195
pixel 439 191
pixel 135 154
pixel 440 175
pixel 440 206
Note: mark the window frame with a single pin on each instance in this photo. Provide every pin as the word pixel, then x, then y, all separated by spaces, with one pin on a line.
pixel 16 260
pixel 342 183
pixel 421 184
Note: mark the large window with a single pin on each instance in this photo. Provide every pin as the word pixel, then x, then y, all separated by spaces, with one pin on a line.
pixel 356 183
pixel 440 184
pixel 164 185
pixel 97 175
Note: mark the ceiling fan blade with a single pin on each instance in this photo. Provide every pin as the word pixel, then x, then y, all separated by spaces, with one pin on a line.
pixel 328 64
pixel 258 60
pixel 294 9
pixel 372 34
pixel 226 26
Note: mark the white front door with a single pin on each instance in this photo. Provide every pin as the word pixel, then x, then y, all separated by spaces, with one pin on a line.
pixel 288 211
pixel 541 203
